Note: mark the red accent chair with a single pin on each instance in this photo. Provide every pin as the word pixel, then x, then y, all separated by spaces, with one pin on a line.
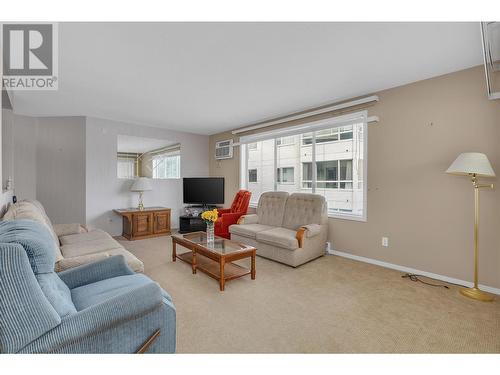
pixel 229 216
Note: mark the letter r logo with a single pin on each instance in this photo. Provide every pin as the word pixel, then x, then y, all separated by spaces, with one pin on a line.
pixel 28 49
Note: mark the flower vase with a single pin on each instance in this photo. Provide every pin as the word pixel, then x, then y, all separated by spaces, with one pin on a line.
pixel 210 232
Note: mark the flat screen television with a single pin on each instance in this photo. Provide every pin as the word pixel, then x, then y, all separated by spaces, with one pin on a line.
pixel 203 190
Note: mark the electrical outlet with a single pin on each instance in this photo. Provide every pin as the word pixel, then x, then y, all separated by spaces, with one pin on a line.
pixel 328 248
pixel 385 241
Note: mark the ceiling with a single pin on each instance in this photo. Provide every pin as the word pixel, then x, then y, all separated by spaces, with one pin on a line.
pixel 139 145
pixel 210 77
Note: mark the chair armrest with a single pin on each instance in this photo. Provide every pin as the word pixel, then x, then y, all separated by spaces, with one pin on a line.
pixel 98 318
pixel 223 211
pixel 248 219
pixel 231 218
pixel 90 273
pixel 68 229
pixel 225 220
pixel 307 231
pixel 67 263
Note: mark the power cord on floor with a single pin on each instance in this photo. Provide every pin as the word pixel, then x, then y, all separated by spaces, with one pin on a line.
pixel 416 278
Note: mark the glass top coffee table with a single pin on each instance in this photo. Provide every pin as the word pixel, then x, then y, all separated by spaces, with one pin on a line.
pixel 216 257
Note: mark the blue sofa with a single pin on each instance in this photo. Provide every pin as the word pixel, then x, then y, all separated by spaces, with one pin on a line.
pixel 101 307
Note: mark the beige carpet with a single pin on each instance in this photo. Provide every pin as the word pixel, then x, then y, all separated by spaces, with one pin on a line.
pixel 329 305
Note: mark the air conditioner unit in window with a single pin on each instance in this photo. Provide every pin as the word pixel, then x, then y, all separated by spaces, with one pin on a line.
pixel 224 149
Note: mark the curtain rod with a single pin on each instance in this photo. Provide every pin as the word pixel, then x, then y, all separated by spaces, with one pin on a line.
pixel 312 112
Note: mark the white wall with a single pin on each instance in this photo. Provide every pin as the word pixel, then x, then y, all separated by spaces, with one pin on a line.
pixel 46 158
pixel 19 155
pixel 5 196
pixel 106 192
pixel 60 168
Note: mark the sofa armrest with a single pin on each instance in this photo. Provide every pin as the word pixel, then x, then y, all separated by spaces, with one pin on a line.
pixel 68 229
pixel 90 273
pixel 67 263
pixel 312 230
pixel 248 219
pixel 96 319
pixel 307 231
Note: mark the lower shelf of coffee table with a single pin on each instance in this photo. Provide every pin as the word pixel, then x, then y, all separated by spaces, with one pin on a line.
pixel 212 267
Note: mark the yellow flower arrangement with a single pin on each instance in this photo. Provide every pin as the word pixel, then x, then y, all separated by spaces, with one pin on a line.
pixel 210 216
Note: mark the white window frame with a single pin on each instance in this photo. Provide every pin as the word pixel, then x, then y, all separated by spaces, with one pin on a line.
pixel 164 156
pixel 279 174
pixel 256 175
pixel 281 144
pixel 314 126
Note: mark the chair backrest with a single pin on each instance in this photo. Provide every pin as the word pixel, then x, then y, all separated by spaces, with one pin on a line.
pixel 33 210
pixel 241 201
pixel 302 209
pixel 26 313
pixel 38 244
pixel 271 207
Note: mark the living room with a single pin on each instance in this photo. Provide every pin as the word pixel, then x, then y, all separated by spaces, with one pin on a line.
pixel 250 187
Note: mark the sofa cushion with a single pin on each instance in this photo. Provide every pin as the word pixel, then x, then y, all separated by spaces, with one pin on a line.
pixel 271 208
pixel 89 247
pixel 33 210
pixel 281 237
pixel 132 261
pixel 302 209
pixel 95 234
pixel 248 230
pixel 57 293
pixel 92 294
pixel 68 229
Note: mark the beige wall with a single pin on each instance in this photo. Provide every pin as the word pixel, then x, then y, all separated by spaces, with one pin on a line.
pixel 427 214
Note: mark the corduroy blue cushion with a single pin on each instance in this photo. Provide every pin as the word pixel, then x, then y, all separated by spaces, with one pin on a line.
pixel 35 239
pixel 38 243
pixel 95 293
pixel 57 293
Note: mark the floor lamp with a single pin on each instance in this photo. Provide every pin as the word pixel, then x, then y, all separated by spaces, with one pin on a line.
pixel 475 165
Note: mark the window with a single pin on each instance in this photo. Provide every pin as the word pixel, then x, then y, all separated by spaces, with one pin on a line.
pixel 328 135
pixel 126 166
pixel 327 174
pixel 167 165
pixel 285 175
pixel 337 152
pixel 285 141
pixel 252 175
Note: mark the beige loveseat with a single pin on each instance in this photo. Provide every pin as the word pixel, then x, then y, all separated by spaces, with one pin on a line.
pixel 75 244
pixel 290 229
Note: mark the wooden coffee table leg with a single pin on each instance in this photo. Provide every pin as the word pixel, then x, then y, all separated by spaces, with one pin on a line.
pixel 253 266
pixel 174 251
pixel 222 280
pixel 193 264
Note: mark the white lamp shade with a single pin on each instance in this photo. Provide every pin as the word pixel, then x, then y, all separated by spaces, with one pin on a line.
pixel 471 163
pixel 141 184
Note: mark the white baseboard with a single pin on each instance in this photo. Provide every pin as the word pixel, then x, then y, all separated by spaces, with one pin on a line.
pixel 447 279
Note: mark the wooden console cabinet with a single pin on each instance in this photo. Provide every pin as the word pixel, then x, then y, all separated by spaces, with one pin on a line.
pixel 150 222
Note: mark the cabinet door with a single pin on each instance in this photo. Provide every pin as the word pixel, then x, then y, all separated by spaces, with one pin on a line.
pixel 143 224
pixel 161 222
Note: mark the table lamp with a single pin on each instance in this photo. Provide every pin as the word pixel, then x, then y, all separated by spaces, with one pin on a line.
pixel 141 184
pixel 475 165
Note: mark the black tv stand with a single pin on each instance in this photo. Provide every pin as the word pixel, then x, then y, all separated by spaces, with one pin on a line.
pixel 191 224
